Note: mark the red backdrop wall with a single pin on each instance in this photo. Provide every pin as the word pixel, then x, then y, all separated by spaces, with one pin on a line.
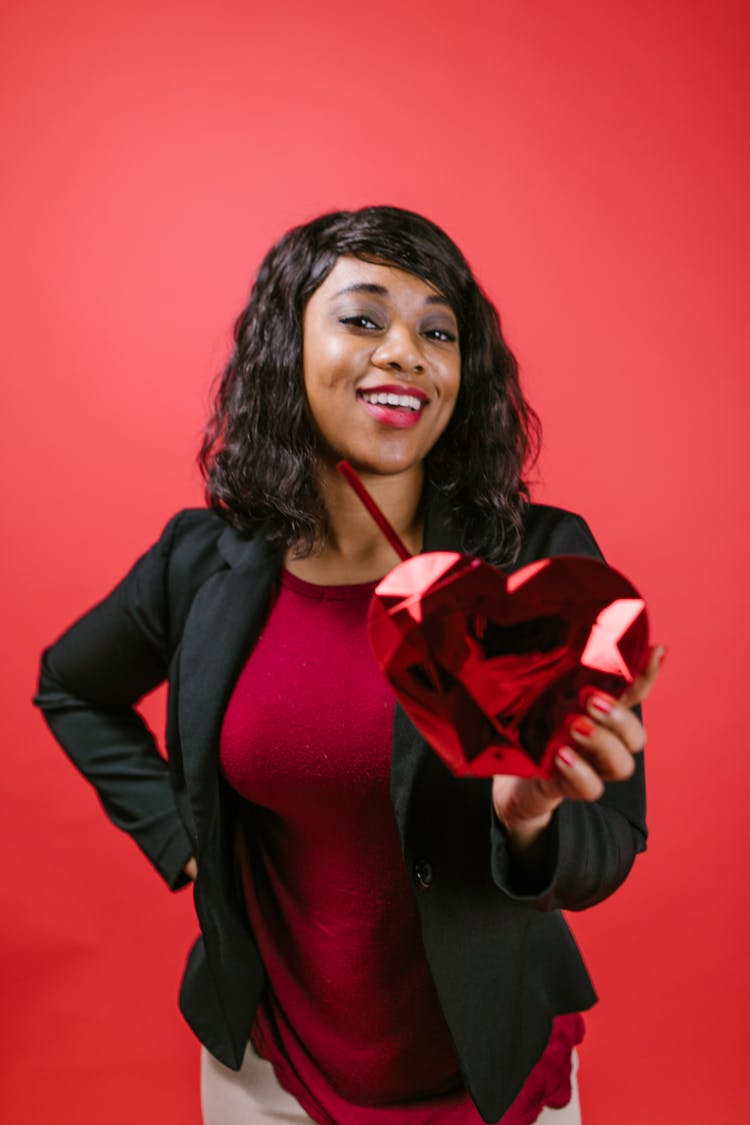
pixel 591 159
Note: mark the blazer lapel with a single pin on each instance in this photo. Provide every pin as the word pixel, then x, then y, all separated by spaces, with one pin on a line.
pixel 226 615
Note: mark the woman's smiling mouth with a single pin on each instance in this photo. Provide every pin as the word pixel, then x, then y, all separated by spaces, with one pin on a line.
pixel 394 405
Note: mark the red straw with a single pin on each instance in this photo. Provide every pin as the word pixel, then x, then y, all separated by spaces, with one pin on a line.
pixel 353 480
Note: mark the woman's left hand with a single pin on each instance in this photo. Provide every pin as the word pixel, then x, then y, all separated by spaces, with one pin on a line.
pixel 604 741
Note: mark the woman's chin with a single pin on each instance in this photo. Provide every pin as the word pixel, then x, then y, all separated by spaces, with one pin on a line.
pixel 369 466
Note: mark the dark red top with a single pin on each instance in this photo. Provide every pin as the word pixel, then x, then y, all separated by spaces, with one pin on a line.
pixel 351 1021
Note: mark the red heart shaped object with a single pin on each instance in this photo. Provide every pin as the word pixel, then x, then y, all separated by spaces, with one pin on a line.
pixel 489 666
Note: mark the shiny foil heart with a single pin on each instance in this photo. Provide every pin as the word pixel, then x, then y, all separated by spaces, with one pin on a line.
pixel 489 667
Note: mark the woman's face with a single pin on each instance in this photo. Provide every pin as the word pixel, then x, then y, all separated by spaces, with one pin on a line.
pixel 382 365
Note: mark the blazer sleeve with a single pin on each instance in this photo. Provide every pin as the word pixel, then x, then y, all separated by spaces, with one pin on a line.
pixel 590 846
pixel 89 683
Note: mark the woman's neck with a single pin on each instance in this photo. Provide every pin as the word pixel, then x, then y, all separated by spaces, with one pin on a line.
pixel 355 549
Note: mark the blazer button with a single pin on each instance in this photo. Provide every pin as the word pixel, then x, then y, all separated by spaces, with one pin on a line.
pixel 423 874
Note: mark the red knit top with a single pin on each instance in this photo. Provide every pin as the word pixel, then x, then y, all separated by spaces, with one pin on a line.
pixel 351 1020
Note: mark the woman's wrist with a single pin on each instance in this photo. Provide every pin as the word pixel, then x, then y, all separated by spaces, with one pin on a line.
pixel 523 808
pixel 524 835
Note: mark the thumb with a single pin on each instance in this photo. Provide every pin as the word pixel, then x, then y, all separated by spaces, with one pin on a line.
pixel 642 684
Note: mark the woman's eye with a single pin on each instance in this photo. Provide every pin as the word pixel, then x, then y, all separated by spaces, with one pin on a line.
pixel 442 334
pixel 358 321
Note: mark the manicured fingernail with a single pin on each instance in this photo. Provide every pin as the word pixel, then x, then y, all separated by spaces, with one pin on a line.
pixel 565 757
pixel 662 654
pixel 582 727
pixel 601 703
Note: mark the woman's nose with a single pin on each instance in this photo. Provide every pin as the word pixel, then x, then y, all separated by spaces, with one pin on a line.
pixel 399 350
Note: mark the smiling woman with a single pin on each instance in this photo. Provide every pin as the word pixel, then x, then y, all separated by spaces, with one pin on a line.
pixel 380 354
pixel 260 455
pixel 381 943
pixel 382 371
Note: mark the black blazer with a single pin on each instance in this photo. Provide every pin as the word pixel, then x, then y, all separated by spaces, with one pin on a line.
pixel 502 958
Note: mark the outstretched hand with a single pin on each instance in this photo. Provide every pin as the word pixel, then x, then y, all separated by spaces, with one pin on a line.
pixel 604 739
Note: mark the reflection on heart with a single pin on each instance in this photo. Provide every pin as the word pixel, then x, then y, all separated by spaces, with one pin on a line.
pixel 489 667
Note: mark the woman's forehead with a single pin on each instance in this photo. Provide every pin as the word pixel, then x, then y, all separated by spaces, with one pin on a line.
pixel 381 278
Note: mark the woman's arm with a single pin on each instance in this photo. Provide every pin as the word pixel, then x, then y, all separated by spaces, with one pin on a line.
pixel 570 842
pixel 90 680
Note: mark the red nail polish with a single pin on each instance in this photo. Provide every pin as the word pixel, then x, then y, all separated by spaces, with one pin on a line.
pixel 601 703
pixel 582 726
pixel 566 757
pixel 664 654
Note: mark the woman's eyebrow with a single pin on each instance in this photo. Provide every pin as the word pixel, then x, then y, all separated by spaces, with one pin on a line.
pixel 381 291
pixel 363 287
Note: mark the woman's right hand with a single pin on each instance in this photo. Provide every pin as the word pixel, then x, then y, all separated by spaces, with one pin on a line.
pixel 191 868
pixel 606 742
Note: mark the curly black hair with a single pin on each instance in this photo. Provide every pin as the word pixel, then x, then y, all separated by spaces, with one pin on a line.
pixel 258 454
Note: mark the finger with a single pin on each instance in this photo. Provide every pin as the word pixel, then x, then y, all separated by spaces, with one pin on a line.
pixel 602 748
pixel 610 714
pixel 577 779
pixel 642 684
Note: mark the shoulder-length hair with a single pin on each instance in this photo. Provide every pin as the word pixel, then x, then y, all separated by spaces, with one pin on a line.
pixel 258 456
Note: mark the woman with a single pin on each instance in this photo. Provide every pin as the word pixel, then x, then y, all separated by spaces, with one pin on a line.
pixel 380 942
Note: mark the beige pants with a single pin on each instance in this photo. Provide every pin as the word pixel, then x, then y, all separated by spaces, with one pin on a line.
pixel 252 1095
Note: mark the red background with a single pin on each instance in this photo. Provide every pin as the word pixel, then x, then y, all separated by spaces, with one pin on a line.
pixel 591 160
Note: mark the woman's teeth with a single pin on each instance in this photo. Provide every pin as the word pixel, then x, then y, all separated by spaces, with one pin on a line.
pixel 381 398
